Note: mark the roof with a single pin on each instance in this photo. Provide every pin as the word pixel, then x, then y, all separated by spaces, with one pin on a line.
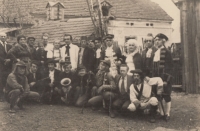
pixel 6 30
pixel 131 9
pixel 51 4
pixel 76 27
pixel 138 9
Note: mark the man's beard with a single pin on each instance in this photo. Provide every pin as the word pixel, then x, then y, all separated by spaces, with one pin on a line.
pixel 136 81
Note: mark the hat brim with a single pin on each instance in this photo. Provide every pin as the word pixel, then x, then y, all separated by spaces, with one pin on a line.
pixel 105 63
pixel 136 71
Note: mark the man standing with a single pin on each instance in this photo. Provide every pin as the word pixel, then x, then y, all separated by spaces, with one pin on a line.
pixel 123 82
pixel 5 62
pixel 162 67
pixel 148 54
pixel 70 50
pixel 17 87
pixel 31 42
pixel 140 93
pixel 112 51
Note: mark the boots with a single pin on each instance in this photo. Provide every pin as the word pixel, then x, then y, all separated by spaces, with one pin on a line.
pixel 20 103
pixel 153 114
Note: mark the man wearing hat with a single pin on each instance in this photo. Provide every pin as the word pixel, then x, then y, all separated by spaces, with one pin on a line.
pixel 99 52
pixel 30 43
pixel 70 50
pixel 86 55
pixel 5 62
pixel 34 77
pixel 103 91
pixel 140 93
pixel 50 93
pixel 112 51
pixel 162 67
pixel 83 83
pixel 148 53
pixel 20 52
pixel 17 87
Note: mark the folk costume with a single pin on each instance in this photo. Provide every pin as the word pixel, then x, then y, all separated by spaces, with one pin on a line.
pixel 147 60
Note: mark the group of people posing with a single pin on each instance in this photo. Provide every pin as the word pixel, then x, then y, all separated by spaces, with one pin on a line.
pixel 94 73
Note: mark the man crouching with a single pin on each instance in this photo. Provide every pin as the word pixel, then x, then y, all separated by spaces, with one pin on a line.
pixel 17 87
pixel 141 93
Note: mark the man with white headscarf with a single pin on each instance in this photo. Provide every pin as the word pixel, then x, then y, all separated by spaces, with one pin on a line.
pixel 5 62
pixel 133 58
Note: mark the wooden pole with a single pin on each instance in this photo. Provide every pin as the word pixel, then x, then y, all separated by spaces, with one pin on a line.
pixel 190 29
pixel 95 28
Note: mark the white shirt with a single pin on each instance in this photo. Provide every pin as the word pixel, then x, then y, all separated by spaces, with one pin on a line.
pixel 125 83
pixel 157 55
pixel 109 51
pixel 4 45
pixel 98 53
pixel 51 76
pixel 73 51
pixel 149 52
pixel 147 87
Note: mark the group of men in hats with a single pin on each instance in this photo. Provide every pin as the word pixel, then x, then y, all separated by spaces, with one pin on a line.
pixel 92 73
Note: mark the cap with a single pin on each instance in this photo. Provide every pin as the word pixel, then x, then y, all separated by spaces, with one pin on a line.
pixel 107 62
pixel 136 71
pixel 21 63
pixel 80 67
pixel 35 62
pixel 161 36
pixel 50 60
pixel 110 36
pixel 31 38
pixel 83 38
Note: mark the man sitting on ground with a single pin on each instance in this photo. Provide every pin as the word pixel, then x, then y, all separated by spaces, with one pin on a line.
pixel 17 87
pixel 141 91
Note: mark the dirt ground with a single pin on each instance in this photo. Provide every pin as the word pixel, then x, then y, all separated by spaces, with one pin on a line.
pixel 185 116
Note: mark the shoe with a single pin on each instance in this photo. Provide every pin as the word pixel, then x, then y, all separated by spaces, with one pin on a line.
pixel 19 104
pixel 112 114
pixel 167 118
pixel 12 111
pixel 152 119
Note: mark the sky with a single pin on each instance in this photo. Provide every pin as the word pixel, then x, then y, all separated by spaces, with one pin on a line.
pixel 170 8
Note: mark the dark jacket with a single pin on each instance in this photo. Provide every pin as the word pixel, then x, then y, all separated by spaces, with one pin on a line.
pixel 15 81
pixel 85 82
pixel 56 78
pixel 137 60
pixel 164 69
pixel 19 52
pixel 148 62
pixel 88 59
pixel 129 82
pixel 4 55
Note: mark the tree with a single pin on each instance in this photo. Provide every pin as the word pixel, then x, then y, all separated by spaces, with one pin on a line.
pixel 17 12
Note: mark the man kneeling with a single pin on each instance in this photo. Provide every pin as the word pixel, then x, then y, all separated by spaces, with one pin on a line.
pixel 141 93
pixel 17 87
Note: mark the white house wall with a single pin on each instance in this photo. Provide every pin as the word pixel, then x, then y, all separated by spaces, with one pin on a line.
pixel 124 28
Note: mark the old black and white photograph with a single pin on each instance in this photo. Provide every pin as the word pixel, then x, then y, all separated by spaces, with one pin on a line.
pixel 99 65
